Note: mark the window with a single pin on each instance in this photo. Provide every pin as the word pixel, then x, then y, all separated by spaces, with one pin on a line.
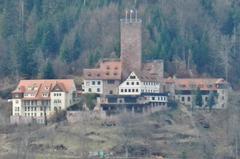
pixel 110 81
pixel 89 90
pixel 110 92
pixel 115 74
pixel 98 89
pixel 206 99
pixel 125 90
pixel 57 101
pixel 189 99
pixel 153 98
pixel 99 82
pixel 107 73
pixel 108 67
pixel 45 94
pixel 137 83
pixel 41 108
pixel 129 90
pixel 132 83
pixel 133 90
pixel 132 77
pixel 127 83
pixel 16 101
pixel 136 90
pixel 93 82
pixel 183 99
pixel 222 97
pixel 121 90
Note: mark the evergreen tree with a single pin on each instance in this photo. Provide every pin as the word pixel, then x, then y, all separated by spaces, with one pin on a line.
pixel 199 100
pixel 27 65
pixel 49 41
pixel 211 100
pixel 48 71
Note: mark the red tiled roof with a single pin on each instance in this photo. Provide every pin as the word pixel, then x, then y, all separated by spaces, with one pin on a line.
pixel 39 87
pixel 194 83
pixel 108 70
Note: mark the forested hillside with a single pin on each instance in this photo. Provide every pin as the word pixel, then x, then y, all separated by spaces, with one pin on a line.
pixel 54 38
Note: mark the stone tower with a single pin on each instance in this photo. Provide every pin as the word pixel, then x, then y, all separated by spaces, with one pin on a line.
pixel 131 43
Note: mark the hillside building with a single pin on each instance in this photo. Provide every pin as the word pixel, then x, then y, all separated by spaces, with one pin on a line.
pixel 132 81
pixel 103 80
pixel 36 100
pixel 184 91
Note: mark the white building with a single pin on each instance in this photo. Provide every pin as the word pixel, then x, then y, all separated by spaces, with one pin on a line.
pixel 33 98
pixel 135 85
pixel 131 86
pixel 103 80
pixel 155 97
pixel 150 87
pixel 185 91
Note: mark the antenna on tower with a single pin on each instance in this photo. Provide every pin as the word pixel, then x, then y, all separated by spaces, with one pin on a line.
pixel 131 11
pixel 136 15
pixel 126 15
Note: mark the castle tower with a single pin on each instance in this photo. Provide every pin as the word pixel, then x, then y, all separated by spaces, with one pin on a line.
pixel 131 43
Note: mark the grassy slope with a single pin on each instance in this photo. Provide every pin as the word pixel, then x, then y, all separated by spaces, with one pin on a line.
pixel 170 133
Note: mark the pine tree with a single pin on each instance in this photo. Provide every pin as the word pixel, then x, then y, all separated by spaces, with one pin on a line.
pixel 48 72
pixel 27 65
pixel 211 100
pixel 199 100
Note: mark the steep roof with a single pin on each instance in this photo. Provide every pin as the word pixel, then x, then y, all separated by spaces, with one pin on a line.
pixel 108 70
pixel 36 88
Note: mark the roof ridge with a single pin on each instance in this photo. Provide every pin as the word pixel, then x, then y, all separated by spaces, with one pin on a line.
pixel 38 89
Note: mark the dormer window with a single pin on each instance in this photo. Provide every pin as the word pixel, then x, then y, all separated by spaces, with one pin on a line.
pixel 210 86
pixel 132 77
pixel 45 94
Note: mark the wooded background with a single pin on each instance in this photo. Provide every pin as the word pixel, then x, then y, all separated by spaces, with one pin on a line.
pixel 55 38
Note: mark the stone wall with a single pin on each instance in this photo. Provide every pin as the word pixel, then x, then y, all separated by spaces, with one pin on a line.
pixel 131 46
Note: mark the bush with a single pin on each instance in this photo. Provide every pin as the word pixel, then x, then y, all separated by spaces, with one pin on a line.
pixel 172 104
